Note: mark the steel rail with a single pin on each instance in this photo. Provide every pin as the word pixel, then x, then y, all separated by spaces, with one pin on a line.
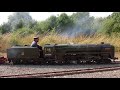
pixel 62 73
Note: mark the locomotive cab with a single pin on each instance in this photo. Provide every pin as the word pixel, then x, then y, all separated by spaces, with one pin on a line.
pixel 49 51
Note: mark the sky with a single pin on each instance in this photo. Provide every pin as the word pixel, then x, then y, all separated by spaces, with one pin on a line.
pixel 39 16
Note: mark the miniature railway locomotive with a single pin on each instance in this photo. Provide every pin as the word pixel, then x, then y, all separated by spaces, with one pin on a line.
pixel 62 54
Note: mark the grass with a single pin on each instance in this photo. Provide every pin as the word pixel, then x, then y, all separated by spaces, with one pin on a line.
pixel 10 39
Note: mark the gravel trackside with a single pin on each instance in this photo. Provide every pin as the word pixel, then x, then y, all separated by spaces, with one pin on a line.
pixel 106 74
pixel 28 69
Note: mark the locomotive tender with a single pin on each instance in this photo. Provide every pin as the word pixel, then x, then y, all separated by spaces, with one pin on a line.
pixel 62 54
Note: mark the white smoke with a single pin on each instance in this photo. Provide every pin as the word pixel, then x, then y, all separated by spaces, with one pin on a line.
pixel 83 26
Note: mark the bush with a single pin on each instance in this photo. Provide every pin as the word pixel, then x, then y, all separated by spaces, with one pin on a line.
pixel 22 32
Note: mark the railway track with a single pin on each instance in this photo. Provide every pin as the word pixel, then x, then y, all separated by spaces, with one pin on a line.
pixel 62 73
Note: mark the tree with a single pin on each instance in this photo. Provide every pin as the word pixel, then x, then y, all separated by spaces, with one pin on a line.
pixel 32 24
pixel 5 28
pixel 111 24
pixel 20 18
pixel 52 20
pixel 64 22
pixel 19 25
pixel 97 24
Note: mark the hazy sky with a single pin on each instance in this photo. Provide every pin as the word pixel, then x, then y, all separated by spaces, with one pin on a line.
pixel 44 15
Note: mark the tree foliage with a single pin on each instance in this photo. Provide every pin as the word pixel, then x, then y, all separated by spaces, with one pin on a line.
pixel 19 20
pixel 5 28
pixel 63 22
pixel 80 22
pixel 111 24
pixel 22 32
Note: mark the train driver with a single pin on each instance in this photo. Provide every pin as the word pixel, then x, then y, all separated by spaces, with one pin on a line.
pixel 35 43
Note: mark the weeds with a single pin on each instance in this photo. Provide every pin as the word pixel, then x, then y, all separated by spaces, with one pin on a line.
pixel 10 39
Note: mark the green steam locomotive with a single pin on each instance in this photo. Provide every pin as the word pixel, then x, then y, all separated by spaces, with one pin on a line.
pixel 62 54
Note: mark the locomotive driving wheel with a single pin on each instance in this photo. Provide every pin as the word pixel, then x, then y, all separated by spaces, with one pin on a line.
pixel 98 61
pixel 89 62
pixel 107 61
pixel 16 62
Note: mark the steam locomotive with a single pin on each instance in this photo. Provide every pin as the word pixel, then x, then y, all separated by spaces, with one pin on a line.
pixel 62 54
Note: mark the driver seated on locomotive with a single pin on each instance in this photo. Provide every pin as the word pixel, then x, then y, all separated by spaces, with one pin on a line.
pixel 35 44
